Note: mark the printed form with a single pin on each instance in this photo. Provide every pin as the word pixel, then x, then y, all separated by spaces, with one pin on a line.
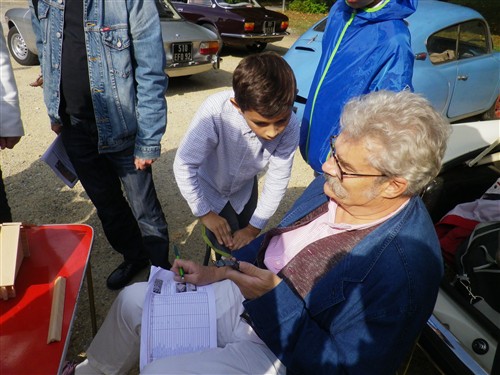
pixel 177 317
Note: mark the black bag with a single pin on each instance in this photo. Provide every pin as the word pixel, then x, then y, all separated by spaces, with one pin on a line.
pixel 478 264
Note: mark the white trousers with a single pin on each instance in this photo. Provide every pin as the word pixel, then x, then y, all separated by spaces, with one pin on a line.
pixel 115 348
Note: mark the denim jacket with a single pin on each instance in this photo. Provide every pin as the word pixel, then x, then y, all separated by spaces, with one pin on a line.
pixel 126 70
pixel 365 314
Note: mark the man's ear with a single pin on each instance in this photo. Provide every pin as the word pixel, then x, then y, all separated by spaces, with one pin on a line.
pixel 395 187
pixel 233 102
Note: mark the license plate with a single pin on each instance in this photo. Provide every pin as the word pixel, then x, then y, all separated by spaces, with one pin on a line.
pixel 182 52
pixel 268 27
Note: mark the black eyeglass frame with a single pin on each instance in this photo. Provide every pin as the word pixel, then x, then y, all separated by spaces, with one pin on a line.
pixel 342 172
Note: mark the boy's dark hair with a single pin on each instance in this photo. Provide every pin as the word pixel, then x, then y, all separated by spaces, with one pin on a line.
pixel 264 83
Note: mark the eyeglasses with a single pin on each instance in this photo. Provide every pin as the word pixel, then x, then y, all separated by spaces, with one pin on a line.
pixel 339 171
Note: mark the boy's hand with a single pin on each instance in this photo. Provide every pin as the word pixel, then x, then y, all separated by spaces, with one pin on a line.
pixel 219 227
pixel 244 236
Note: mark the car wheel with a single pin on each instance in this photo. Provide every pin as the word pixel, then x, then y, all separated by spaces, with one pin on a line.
pixel 257 47
pixel 494 112
pixel 18 48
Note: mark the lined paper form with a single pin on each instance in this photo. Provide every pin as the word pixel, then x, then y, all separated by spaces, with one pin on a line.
pixel 177 318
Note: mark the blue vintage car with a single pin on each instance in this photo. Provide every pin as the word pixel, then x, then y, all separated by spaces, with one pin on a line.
pixel 455 67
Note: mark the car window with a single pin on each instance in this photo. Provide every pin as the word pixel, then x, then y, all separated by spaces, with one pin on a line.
pixel 442 46
pixel 473 39
pixel 238 3
pixel 321 26
pixel 206 3
pixel 167 10
pixel 462 41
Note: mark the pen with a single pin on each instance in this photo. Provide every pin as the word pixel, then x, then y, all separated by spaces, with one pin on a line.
pixel 177 256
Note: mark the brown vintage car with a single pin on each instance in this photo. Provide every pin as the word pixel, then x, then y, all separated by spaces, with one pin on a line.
pixel 239 23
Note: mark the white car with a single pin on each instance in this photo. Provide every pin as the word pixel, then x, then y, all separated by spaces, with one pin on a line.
pixel 189 48
pixel 463 333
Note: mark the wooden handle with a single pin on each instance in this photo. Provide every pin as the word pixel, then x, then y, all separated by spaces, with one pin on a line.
pixel 56 312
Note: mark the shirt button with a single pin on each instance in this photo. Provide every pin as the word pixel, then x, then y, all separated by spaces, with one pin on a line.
pixel 119 44
pixel 58 34
pixel 60 1
pixel 56 66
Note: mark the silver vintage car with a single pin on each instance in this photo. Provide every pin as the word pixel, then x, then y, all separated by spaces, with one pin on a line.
pixel 189 48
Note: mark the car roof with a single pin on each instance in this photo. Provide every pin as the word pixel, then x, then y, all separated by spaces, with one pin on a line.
pixel 426 19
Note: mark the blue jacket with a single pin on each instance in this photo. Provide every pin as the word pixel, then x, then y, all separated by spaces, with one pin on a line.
pixel 364 316
pixel 362 51
pixel 125 60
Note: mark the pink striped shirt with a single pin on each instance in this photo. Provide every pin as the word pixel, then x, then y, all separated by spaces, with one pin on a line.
pixel 283 247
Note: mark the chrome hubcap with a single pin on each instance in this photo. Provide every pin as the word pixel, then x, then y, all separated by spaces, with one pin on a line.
pixel 19 47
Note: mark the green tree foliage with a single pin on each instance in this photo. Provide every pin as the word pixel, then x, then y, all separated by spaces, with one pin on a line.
pixel 309 6
pixel 489 9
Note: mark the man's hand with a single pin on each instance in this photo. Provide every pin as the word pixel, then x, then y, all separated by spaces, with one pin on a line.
pixel 219 227
pixel 197 274
pixel 253 282
pixel 143 164
pixel 8 142
pixel 244 236
pixel 56 128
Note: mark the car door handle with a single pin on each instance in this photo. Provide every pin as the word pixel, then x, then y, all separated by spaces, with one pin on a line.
pixel 463 78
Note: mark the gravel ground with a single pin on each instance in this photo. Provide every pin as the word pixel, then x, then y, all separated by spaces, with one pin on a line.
pixel 37 196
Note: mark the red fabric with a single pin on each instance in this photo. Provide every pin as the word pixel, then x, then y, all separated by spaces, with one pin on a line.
pixel 452 231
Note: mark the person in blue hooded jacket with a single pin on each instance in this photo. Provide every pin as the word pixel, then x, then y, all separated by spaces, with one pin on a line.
pixel 366 47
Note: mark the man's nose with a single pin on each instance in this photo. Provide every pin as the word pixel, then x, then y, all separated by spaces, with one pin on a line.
pixel 329 167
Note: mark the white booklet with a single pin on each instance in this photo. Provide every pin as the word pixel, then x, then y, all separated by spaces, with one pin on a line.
pixel 177 317
pixel 57 159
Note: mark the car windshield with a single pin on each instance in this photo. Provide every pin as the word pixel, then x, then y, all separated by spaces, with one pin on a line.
pixel 166 10
pixel 238 4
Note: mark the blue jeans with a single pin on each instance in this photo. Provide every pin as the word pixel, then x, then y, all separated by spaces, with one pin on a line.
pixel 5 214
pixel 136 226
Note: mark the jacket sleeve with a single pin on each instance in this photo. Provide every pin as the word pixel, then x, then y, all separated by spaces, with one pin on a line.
pixel 397 71
pixel 200 140
pixel 151 80
pixel 35 23
pixel 358 340
pixel 10 118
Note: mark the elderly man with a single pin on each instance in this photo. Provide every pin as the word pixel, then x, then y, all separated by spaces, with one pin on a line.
pixel 343 285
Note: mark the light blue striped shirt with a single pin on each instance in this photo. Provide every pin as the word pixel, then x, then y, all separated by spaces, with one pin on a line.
pixel 220 155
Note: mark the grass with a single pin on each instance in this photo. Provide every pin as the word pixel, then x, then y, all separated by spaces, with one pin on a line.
pixel 300 22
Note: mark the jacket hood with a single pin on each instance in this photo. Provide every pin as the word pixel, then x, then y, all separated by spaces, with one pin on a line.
pixel 386 10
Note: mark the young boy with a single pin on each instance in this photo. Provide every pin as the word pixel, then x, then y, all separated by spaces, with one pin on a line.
pixel 233 137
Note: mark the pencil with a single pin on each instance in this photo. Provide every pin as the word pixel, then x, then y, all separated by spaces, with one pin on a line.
pixel 177 256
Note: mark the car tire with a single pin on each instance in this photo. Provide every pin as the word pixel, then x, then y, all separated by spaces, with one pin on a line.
pixel 494 112
pixel 257 47
pixel 19 50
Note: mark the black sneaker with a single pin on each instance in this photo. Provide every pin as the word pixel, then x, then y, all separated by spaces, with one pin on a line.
pixel 124 273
